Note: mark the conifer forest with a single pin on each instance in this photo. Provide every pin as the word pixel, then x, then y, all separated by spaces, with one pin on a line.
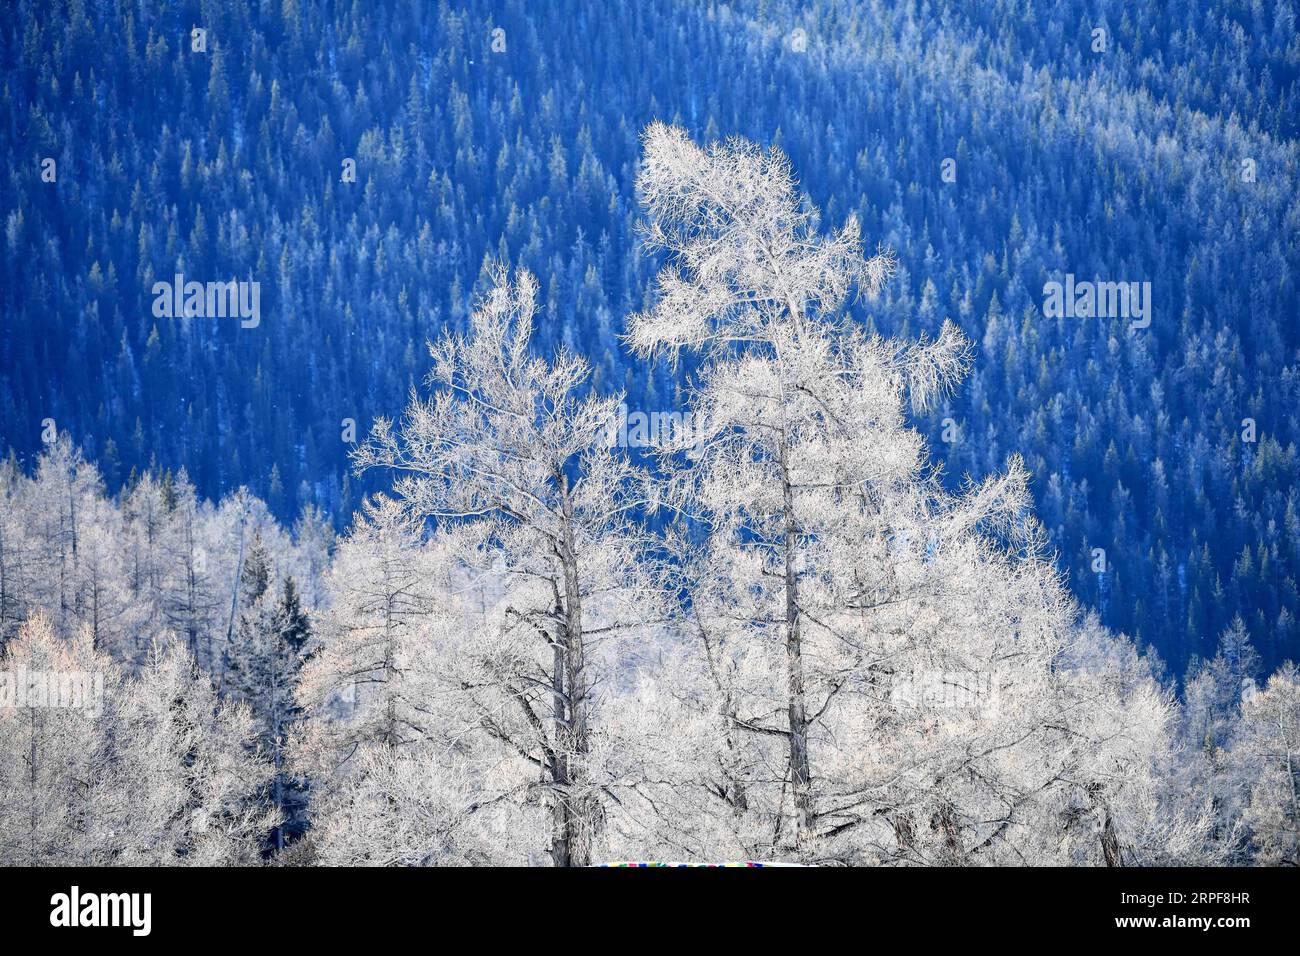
pixel 559 433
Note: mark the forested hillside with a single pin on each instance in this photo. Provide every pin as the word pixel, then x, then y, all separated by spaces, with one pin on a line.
pixel 1165 154
pixel 765 629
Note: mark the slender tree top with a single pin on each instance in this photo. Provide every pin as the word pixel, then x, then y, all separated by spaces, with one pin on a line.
pixel 745 255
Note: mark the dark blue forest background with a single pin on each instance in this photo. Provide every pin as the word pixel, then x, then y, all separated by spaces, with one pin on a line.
pixel 1125 165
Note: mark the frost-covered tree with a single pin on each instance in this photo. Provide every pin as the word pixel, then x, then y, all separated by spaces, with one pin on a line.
pixel 185 771
pixel 381 590
pixel 189 584
pixel 50 755
pixel 884 655
pixel 262 666
pixel 367 687
pixel 17 557
pixel 510 454
pixel 102 601
pixel 803 414
pixel 148 555
pixel 148 768
pixel 1266 757
pixel 1126 799
pixel 313 538
pixel 64 488
pixel 292 634
pixel 1214 689
pixel 254 631
pixel 1213 695
pixel 405 765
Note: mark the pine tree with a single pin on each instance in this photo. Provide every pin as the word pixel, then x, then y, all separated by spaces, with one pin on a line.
pixel 248 652
pixel 262 669
pixel 293 631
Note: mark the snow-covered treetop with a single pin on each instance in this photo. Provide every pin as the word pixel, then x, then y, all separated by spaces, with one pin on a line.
pixel 744 250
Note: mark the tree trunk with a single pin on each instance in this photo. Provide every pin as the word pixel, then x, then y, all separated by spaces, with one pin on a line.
pixel 576 801
pixel 559 764
pixel 734 791
pixel 1110 843
pixel 219 662
pixel 800 774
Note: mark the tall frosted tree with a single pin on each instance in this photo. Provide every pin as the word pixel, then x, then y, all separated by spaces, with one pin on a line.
pixel 262 670
pixel 510 451
pixel 382 591
pixel 64 490
pixel 801 411
pixel 190 596
pixel 254 627
pixel 898 643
